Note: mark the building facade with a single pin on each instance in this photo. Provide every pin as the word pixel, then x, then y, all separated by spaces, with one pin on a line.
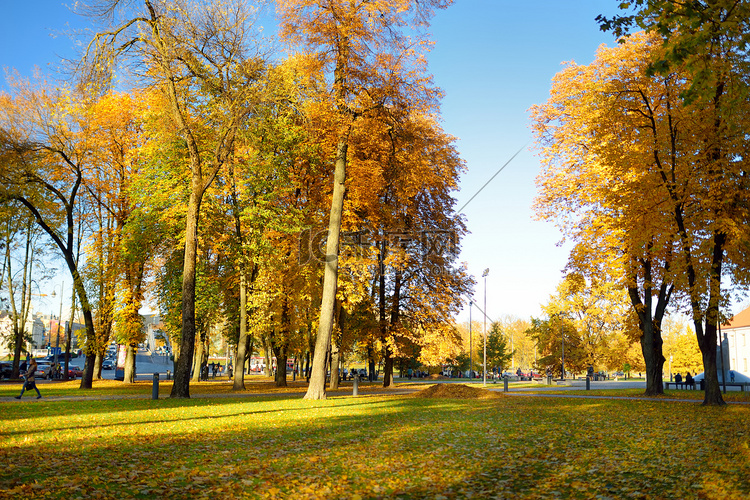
pixel 736 337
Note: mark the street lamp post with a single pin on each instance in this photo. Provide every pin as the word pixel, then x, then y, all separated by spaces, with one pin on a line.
pixel 562 335
pixel 59 321
pixel 471 344
pixel 484 361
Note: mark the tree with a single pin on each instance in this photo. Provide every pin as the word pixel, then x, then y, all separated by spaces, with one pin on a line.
pixel 45 141
pixel 520 344
pixel 121 242
pixel 499 352
pixel 374 66
pixel 558 339
pixel 680 346
pixel 645 204
pixel 705 43
pixel 19 235
pixel 197 55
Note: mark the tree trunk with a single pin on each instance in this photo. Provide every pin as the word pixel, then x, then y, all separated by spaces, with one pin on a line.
pixel 238 384
pixel 650 325
pixel 395 318
pixel 97 366
pixel 651 346
pixel 317 387
pixel 88 319
pixel 267 356
pixel 334 366
pixel 181 385
pixel 712 395
pixel 129 373
pixel 708 341
pixel 371 363
pixel 280 351
pixel 198 361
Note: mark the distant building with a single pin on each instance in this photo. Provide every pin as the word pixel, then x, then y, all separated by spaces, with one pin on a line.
pixel 154 330
pixel 736 334
pixel 35 326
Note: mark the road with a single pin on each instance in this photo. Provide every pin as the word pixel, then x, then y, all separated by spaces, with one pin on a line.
pixel 146 365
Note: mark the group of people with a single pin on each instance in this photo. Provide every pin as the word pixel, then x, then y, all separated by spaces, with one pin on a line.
pixel 688 379
pixel 416 373
pixel 215 369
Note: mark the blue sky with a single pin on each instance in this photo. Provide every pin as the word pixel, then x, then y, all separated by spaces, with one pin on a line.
pixel 494 59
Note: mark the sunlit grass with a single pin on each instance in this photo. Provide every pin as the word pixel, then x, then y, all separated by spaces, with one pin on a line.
pixel 373 446
pixel 219 386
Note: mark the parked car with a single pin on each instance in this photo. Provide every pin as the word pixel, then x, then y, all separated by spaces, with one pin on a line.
pixel 74 371
pixel 108 364
pixel 6 369
pixel 44 369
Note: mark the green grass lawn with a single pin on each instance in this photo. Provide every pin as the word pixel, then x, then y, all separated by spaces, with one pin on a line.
pixel 372 446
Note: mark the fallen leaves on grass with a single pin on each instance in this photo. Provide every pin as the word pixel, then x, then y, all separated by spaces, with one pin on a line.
pixel 375 447
pixel 455 391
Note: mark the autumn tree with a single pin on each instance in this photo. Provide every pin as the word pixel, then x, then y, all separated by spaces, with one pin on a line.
pixel 22 255
pixel 626 143
pixel 199 56
pixel 704 47
pixel 680 348
pixel 45 141
pixel 520 344
pixel 558 342
pixel 374 64
pixel 120 243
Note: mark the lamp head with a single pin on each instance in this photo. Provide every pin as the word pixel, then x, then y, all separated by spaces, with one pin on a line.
pixel 486 272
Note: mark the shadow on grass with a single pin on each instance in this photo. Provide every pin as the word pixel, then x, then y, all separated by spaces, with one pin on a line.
pixel 91 408
pixel 376 447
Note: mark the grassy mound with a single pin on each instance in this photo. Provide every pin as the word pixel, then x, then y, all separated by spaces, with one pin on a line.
pixel 456 391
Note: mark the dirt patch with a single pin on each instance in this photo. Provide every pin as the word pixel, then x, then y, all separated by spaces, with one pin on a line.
pixel 456 391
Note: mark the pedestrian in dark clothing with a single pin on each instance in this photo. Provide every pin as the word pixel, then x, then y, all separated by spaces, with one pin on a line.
pixel 30 382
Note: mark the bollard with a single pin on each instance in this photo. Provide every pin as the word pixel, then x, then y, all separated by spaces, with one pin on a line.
pixel 155 389
pixel 505 384
pixel 549 379
pixel 355 390
pixel 588 383
pixel 169 375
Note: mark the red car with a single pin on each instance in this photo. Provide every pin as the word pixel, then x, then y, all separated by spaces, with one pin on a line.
pixel 74 371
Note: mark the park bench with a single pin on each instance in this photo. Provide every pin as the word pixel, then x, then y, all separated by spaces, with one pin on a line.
pixel 680 385
pixel 741 385
pixel 684 385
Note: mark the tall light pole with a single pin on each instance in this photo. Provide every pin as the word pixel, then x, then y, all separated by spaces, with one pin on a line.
pixel 471 344
pixel 484 362
pixel 562 335
pixel 59 321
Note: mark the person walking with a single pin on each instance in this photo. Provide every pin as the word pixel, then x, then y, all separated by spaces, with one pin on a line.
pixel 30 382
